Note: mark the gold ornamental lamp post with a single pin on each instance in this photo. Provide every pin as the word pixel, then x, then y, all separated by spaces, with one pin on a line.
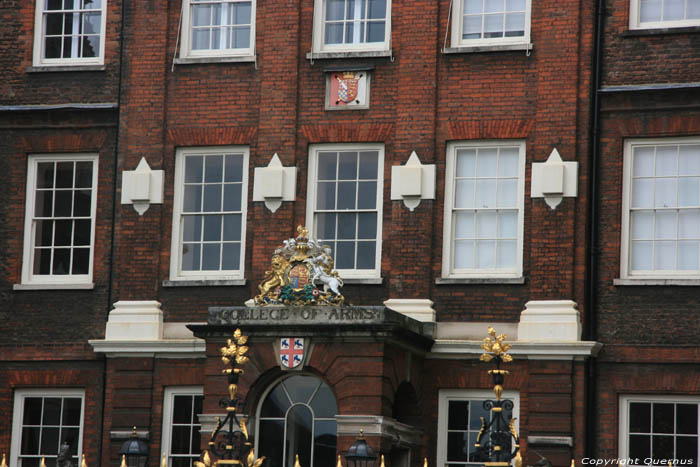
pixel 498 443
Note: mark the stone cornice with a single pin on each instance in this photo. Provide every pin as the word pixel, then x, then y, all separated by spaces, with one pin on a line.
pixel 532 350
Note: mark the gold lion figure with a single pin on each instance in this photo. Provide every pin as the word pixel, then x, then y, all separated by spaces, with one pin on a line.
pixel 273 278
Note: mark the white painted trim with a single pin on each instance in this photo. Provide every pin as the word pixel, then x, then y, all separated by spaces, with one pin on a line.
pixel 459 349
pixel 166 348
pixel 420 309
pixel 634 20
pixel 168 394
pixel 314 149
pixel 39 43
pixel 318 35
pixel 624 402
pixel 625 270
pixel 377 425
pixel 18 416
pixel 28 278
pixel 175 259
pixel 448 228
pixel 457 23
pixel 447 395
pixel 186 33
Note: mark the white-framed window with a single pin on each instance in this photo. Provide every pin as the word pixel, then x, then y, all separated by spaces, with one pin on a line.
pixel 59 228
pixel 218 28
pixel 344 205
pixel 661 209
pixel 296 417
pixel 181 438
pixel 43 420
pixel 484 199
pixel 659 428
pixel 69 32
pixel 209 213
pixel 650 14
pixel 490 22
pixel 459 412
pixel 352 25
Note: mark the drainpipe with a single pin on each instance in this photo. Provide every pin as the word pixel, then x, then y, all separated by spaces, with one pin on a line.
pixel 592 265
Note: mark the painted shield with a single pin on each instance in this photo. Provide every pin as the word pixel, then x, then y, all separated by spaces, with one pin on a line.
pixel 291 351
pixel 348 84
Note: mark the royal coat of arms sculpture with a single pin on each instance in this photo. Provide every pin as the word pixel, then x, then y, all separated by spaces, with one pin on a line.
pixel 301 273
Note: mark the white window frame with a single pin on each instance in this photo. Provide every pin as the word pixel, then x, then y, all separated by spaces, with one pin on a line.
pixel 169 394
pixel 18 416
pixel 448 229
pixel 28 276
pixel 311 200
pixel 40 43
pixel 447 395
pixel 319 33
pixel 186 36
pixel 176 272
pixel 457 24
pixel 625 267
pixel 635 22
pixel 625 400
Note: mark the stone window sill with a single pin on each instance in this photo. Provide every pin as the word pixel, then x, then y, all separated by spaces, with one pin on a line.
pixel 355 54
pixel 64 68
pixel 204 283
pixel 675 282
pixel 487 48
pixel 660 31
pixel 363 280
pixel 201 60
pixel 86 286
pixel 479 280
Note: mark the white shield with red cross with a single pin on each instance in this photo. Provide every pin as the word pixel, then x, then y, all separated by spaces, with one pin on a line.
pixel 291 351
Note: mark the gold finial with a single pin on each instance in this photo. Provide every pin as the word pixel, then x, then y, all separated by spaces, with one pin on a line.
pixel 382 463
pixel 235 350
pixel 425 462
pixel 43 462
pixel 519 460
pixel 83 462
pixel 123 464
pixel 164 462
pixel 4 460
pixel 244 429
pixel 339 464
pixel 250 460
pixel 296 461
pixel 302 232
pixel 495 346
pixel 206 460
pixel 573 463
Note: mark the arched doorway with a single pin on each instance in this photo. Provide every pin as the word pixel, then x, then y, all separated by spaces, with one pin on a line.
pixel 297 416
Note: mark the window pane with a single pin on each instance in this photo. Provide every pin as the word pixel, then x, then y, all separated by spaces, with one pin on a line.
pixel 464 194
pixel 231 259
pixel 665 192
pixel 687 419
pixel 192 201
pixel 688 255
pixel 212 198
pixel 325 226
pixel 52 411
pixel 346 226
pixel 664 256
pixel 298 434
pixel 464 225
pixel 276 403
pixel 61 261
pixel 49 441
pixel 662 447
pixel 32 411
pixel 486 224
pixel 192 228
pixel 375 32
pixel 515 25
pixel 366 254
pixel 506 253
pixel 191 256
pixel 64 175
pixel 367 195
pixel 687 448
pixel 507 224
pixel 693 11
pixel 487 163
pixel 180 441
pixel 42 261
pixel 464 254
pixel 471 29
pixel 493 26
pixel 640 446
pixel 232 227
pixel 345 255
pixel 649 10
pixel 689 223
pixel 466 162
pixel 457 446
pixel 346 195
pixel 643 162
pixel 335 9
pixel 64 203
pixel 486 193
pixel 642 255
pixel 201 15
pixel 508 162
pixel 666 160
pixel 689 191
pixel 515 5
pixel 347 166
pixel 81 233
pixel 458 415
pixel 663 418
pixel 213 169
pixel 323 403
pixel 327 166
pixel 674 10
pixel 234 168
pixel 326 195
pixel 485 254
pixel 507 193
pixel 200 39
pixel 194 169
pixel 272 432
pixel 71 411
pixel 665 225
pixel 367 225
pixel 211 256
pixel 182 409
pixel 369 165
pixel 232 197
pixel 324 442
pixel 212 228
pixel 334 33
pixel 81 261
pixel 473 6
pixel 30 440
pixel 377 9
